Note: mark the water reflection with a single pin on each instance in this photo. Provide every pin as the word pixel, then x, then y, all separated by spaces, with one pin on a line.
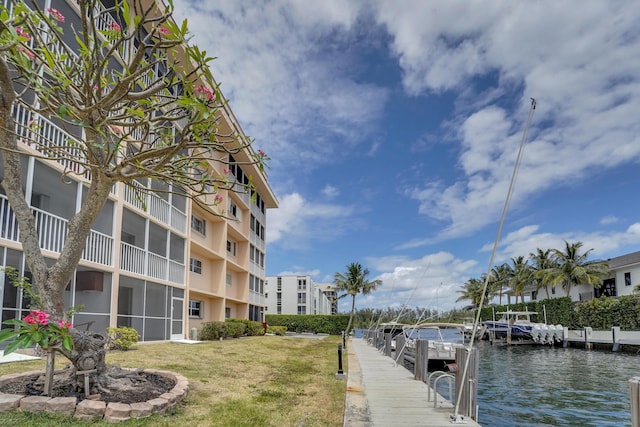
pixel 544 386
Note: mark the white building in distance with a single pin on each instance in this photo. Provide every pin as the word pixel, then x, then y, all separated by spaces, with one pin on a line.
pixel 298 295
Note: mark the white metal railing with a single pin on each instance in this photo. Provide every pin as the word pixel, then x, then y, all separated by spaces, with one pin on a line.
pixel 132 258
pixel 49 137
pixel 136 260
pixel 156 206
pixel 52 231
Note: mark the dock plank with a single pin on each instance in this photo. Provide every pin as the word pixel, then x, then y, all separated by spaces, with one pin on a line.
pixel 383 394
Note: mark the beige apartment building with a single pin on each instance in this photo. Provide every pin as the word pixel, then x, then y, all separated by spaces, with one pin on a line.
pixel 161 264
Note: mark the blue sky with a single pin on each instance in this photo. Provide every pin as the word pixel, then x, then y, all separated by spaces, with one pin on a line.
pixel 393 127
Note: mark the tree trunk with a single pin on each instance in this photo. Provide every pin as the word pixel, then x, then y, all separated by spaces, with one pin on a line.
pixel 353 309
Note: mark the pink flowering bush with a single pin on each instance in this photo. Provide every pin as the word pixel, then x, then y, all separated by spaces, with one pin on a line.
pixel 55 13
pixel 35 328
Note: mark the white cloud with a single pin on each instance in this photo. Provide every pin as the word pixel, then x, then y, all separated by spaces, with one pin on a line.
pixel 609 219
pixel 330 192
pixel 605 244
pixel 564 57
pixel 298 222
pixel 301 107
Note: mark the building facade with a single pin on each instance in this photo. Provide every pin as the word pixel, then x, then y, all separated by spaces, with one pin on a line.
pixel 623 278
pixel 160 262
pixel 298 295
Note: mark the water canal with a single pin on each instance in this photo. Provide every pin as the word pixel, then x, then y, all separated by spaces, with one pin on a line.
pixel 551 386
pixel 535 386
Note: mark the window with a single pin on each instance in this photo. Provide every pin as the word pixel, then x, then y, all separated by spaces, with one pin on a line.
pixel 233 209
pixel 231 247
pixel 302 284
pixel 302 298
pixel 195 309
pixel 195 265
pixel 553 290
pixel 229 279
pixel 627 279
pixel 198 224
pixel 302 309
pixel 227 312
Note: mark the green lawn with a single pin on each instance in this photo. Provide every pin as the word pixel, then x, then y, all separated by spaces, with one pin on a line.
pixel 253 382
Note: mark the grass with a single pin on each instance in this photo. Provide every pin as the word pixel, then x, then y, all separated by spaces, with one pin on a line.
pixel 252 381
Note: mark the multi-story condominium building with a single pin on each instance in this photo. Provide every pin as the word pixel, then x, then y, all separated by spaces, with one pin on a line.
pixel 298 295
pixel 160 263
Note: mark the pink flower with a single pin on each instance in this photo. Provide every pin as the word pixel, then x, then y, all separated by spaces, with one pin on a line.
pixel 217 199
pixel 21 33
pixel 206 91
pixel 56 14
pixel 262 153
pixel 29 319
pixel 64 324
pixel 43 318
pixel 114 26
pixel 226 171
pixel 27 52
pixel 37 317
pixel 117 129
pixel 164 31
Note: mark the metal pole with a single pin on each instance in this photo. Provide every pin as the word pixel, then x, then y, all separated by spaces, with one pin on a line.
pixel 340 371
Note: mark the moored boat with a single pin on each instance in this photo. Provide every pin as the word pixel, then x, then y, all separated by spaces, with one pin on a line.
pixel 516 326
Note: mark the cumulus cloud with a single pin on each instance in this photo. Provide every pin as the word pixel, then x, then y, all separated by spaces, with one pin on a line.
pixel 556 53
pixel 298 222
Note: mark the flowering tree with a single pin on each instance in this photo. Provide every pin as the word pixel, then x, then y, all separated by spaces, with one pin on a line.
pixel 135 102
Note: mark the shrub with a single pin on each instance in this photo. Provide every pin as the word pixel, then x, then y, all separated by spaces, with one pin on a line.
pixel 315 323
pixel 277 330
pixel 121 338
pixel 212 331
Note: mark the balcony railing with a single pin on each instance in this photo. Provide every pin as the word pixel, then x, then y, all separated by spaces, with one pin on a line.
pixel 52 231
pixel 137 260
pixel 156 206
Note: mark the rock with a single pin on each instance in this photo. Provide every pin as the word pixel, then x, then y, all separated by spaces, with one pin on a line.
pixel 90 409
pixel 117 412
pixel 34 403
pixel 9 402
pixel 141 410
pixel 62 405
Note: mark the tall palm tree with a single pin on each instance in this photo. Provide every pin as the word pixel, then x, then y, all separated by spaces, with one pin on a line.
pixel 542 262
pixel 353 282
pixel 519 276
pixel 499 279
pixel 573 268
pixel 472 291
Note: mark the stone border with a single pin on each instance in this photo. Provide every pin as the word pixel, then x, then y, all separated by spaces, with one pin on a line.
pixel 95 409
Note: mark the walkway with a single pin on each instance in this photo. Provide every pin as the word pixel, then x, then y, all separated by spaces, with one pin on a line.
pixel 380 394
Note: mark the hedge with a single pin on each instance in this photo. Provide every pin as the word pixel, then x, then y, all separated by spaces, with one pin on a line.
pixel 598 313
pixel 313 323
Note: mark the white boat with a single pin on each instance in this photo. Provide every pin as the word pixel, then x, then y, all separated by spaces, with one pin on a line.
pixel 516 326
pixel 442 351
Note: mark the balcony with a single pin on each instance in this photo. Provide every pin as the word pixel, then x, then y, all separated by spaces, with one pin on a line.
pixel 156 206
pixel 136 260
pixel 52 231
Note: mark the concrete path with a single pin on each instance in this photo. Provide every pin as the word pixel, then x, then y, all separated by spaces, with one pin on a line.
pixel 381 394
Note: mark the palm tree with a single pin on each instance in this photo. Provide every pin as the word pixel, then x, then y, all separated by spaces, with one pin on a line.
pixel 472 291
pixel 542 262
pixel 573 268
pixel 519 276
pixel 499 278
pixel 354 282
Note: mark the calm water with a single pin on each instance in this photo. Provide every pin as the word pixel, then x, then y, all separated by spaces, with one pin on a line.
pixel 534 386
pixel 544 386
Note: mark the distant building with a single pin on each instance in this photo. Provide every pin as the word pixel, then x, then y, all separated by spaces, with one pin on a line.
pixel 298 295
pixel 624 277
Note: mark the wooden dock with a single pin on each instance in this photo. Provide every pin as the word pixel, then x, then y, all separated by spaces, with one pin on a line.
pixel 383 394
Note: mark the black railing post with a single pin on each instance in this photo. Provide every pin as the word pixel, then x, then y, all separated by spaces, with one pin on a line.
pixel 340 373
